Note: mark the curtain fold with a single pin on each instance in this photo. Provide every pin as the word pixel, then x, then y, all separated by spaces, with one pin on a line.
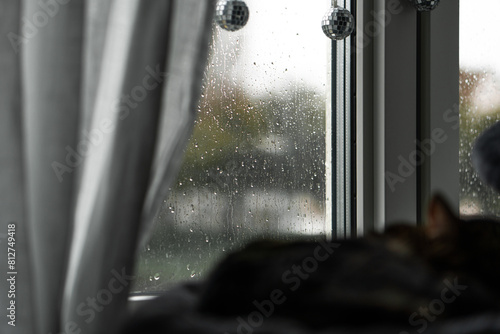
pixel 50 73
pixel 12 182
pixel 187 60
pixel 98 100
pixel 116 174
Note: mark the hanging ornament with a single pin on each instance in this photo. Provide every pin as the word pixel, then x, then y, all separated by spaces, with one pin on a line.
pixel 338 22
pixel 231 14
pixel 425 5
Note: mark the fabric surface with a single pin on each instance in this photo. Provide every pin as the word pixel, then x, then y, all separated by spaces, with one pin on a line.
pixel 12 182
pixel 98 99
pixel 175 312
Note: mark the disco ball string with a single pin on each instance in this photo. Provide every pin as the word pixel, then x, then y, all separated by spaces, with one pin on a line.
pixel 338 22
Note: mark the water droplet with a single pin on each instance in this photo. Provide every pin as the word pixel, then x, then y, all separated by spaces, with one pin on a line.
pixel 193 274
pixel 187 267
pixel 157 276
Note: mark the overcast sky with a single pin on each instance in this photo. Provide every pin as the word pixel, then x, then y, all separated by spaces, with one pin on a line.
pixel 282 45
pixel 480 34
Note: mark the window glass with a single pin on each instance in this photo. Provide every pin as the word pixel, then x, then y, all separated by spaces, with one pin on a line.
pixel 479 96
pixel 255 164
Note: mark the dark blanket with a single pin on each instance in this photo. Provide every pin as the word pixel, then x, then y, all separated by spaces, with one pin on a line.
pixel 175 313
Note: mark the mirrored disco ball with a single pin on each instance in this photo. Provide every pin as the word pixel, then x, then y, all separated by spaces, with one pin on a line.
pixel 425 5
pixel 338 23
pixel 231 14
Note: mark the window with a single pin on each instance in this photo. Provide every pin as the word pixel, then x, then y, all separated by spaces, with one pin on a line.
pixel 266 158
pixel 255 164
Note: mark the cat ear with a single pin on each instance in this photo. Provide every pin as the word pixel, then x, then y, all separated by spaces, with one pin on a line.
pixel 441 220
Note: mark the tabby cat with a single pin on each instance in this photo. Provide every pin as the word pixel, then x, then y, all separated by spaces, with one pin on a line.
pixel 449 267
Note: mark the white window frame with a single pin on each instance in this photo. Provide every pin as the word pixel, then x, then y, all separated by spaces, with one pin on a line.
pixel 340 137
pixel 407 90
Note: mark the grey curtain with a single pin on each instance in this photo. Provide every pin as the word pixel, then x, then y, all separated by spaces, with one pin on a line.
pixel 97 101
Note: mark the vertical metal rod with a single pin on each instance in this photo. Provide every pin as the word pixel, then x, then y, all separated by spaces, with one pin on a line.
pixel 352 115
pixel 334 140
pixel 423 111
pixel 342 169
pixel 340 141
